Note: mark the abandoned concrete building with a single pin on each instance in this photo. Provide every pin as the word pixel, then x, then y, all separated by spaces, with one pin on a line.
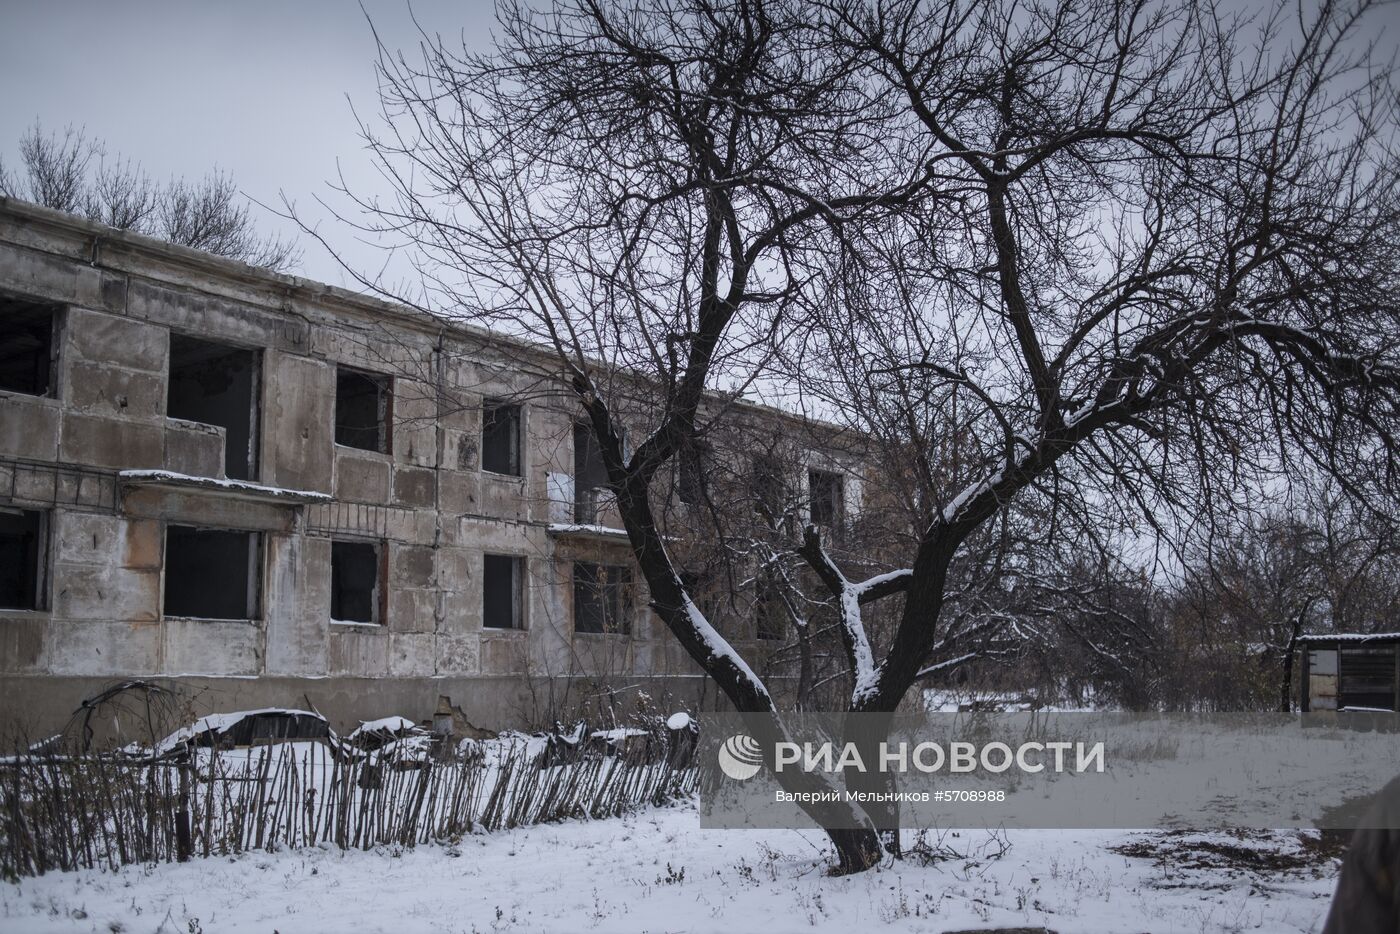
pixel 249 484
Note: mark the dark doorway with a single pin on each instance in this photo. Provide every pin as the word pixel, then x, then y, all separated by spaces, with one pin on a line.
pixel 217 385
pixel 21 559
pixel 211 573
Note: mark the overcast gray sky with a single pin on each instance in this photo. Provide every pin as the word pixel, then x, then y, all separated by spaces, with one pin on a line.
pixel 256 87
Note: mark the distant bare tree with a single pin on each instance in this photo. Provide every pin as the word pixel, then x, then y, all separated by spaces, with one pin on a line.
pixel 1070 268
pixel 55 170
pixel 211 215
pixel 69 172
pixel 123 196
pixel 1315 563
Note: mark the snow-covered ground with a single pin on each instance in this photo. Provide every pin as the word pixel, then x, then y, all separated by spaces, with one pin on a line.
pixel 657 871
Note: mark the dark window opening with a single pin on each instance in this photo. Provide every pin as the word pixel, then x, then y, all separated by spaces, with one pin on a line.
pixel 212 573
pixel 827 497
pixel 700 586
pixel 590 475
pixel 22 564
pixel 215 384
pixel 362 410
pixel 355 577
pixel 26 347
pixel 500 438
pixel 690 485
pixel 502 579
pixel 602 598
pixel 771 618
pixel 767 483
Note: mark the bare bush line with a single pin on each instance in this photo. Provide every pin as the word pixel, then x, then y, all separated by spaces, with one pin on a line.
pixel 61 812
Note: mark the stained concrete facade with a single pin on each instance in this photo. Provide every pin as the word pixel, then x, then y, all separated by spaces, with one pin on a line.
pixel 110 473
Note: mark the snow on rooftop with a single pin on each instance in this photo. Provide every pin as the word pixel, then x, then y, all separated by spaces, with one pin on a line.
pixel 221 722
pixel 383 725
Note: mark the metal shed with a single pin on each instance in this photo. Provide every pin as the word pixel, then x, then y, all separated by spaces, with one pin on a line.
pixel 1350 671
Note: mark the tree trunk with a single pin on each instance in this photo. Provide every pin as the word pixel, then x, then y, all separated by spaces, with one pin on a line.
pixel 856 850
pixel 1285 694
pixel 874 731
pixel 804 670
pixel 1285 697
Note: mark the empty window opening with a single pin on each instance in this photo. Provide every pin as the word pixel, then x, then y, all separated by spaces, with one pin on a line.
pixel 362 410
pixel 771 618
pixel 502 587
pixel 767 484
pixel 212 573
pixel 700 586
pixel 590 475
pixel 602 598
pixel 22 564
pixel 500 438
pixel 26 347
pixel 690 484
pixel 217 385
pixel 356 572
pixel 827 497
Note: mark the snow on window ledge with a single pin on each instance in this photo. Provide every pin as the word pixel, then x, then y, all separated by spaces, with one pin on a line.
pixel 216 485
pixel 581 529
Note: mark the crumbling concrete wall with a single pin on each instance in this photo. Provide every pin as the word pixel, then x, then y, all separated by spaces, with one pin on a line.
pixel 427 500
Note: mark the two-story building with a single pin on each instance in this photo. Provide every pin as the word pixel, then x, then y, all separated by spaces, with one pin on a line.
pixel 273 492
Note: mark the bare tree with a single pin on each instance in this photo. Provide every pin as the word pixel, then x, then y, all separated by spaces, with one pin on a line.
pixel 1107 263
pixel 1156 281
pixel 70 172
pixel 211 215
pixel 55 169
pixel 1315 562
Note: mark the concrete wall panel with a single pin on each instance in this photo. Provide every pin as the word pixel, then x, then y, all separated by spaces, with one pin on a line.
pixel 359 650
pixel 298 611
pixel 212 647
pixel 110 442
pixel 411 654
pixel 29 427
pixel 59 279
pixel 192 312
pixel 361 476
pixel 109 390
pixel 102 648
pixel 298 422
pixel 116 341
pixel 193 448
pixel 95 592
